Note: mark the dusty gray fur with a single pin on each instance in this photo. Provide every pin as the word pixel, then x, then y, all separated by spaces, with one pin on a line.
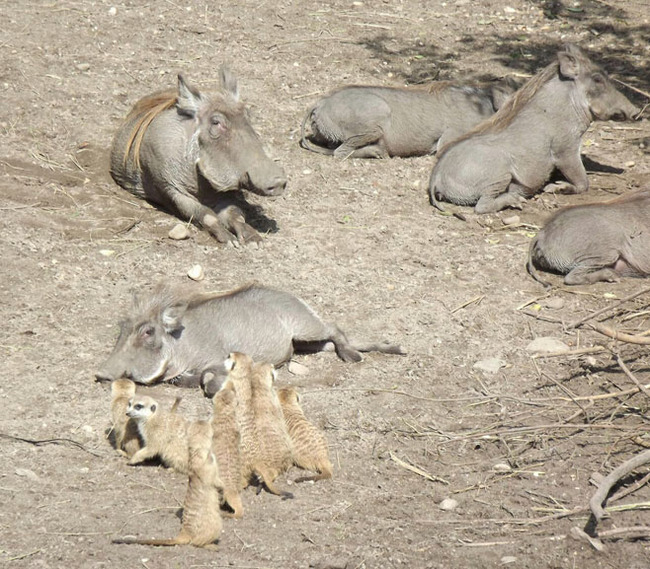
pixel 595 242
pixel 511 156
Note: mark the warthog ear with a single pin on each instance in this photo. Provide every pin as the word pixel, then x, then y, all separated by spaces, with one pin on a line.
pixel 189 98
pixel 229 82
pixel 569 63
pixel 171 317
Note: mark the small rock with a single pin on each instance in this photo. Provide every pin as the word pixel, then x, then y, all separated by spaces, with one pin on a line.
pixel 448 504
pixel 87 429
pixel 107 252
pixel 297 369
pixel 546 345
pixel 508 559
pixel 554 303
pixel 501 467
pixel 196 273
pixel 28 474
pixel 630 164
pixel 83 66
pixel 511 220
pixel 112 11
pixel 178 232
pixel 489 365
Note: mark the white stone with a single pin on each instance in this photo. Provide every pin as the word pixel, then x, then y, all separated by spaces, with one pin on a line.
pixel 178 232
pixel 296 368
pixel 546 345
pixel 196 273
pixel 554 303
pixel 489 365
pixel 448 504
pixel 502 467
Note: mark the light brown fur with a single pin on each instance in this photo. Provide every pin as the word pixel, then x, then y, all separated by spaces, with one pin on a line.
pixel 146 110
pixel 265 442
pixel 201 523
pixel 125 435
pixel 163 433
pixel 226 445
pixel 310 450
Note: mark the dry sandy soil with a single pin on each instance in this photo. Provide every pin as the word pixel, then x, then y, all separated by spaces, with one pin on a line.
pixel 358 240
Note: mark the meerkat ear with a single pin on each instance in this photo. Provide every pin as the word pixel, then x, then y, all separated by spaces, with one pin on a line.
pixel 297 397
pixel 153 408
pixel 229 364
pixel 274 373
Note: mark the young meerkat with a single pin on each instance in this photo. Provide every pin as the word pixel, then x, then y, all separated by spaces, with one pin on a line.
pixel 201 523
pixel 226 445
pixel 124 432
pixel 310 450
pixel 164 433
pixel 265 442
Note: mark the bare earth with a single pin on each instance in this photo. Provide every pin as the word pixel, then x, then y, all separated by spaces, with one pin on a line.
pixel 356 239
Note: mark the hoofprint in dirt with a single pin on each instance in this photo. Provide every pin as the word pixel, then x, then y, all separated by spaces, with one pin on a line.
pixel 358 241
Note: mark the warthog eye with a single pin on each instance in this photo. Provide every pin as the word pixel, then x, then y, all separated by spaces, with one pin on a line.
pixel 598 79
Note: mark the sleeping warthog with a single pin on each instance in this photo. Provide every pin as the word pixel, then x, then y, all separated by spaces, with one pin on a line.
pixel 175 335
pixel 511 155
pixel 378 122
pixel 595 242
pixel 184 149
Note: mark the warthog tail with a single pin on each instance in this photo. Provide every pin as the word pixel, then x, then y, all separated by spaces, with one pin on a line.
pixel 433 200
pixel 530 267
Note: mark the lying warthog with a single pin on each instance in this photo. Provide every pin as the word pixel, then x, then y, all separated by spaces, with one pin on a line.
pixel 595 242
pixel 378 122
pixel 183 150
pixel 175 335
pixel 511 155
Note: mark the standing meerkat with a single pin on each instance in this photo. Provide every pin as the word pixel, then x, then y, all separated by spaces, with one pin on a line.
pixel 226 445
pixel 265 442
pixel 201 523
pixel 164 433
pixel 124 432
pixel 310 450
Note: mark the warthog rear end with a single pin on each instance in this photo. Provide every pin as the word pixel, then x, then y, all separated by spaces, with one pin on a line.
pixel 510 156
pixel 595 242
pixel 191 152
pixel 175 335
pixel 378 122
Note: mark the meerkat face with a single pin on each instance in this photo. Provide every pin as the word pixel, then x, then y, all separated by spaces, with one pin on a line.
pixel 122 388
pixel 288 396
pixel 141 408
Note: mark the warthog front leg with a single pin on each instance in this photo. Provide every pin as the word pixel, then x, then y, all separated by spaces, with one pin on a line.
pixel 233 219
pixel 574 171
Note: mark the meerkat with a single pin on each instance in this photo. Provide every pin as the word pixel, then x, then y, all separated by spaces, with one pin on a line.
pixel 164 433
pixel 125 435
pixel 310 450
pixel 226 445
pixel 265 442
pixel 201 523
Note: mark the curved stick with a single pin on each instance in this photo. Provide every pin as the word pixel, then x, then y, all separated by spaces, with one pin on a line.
pixel 596 502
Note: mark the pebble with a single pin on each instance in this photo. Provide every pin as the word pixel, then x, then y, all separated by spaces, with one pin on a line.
pixel 112 11
pixel 196 273
pixel 107 252
pixel 630 164
pixel 554 303
pixel 83 66
pixel 297 369
pixel 489 365
pixel 27 474
pixel 448 504
pixel 546 345
pixel 501 467
pixel 508 559
pixel 511 220
pixel 178 232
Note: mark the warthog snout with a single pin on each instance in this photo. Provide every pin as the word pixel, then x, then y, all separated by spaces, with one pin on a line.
pixel 273 185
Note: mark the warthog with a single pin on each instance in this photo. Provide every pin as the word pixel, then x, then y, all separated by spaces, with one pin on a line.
pixel 175 335
pixel 378 122
pixel 595 242
pixel 191 153
pixel 511 155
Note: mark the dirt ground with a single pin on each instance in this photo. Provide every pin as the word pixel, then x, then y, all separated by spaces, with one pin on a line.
pixel 514 447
